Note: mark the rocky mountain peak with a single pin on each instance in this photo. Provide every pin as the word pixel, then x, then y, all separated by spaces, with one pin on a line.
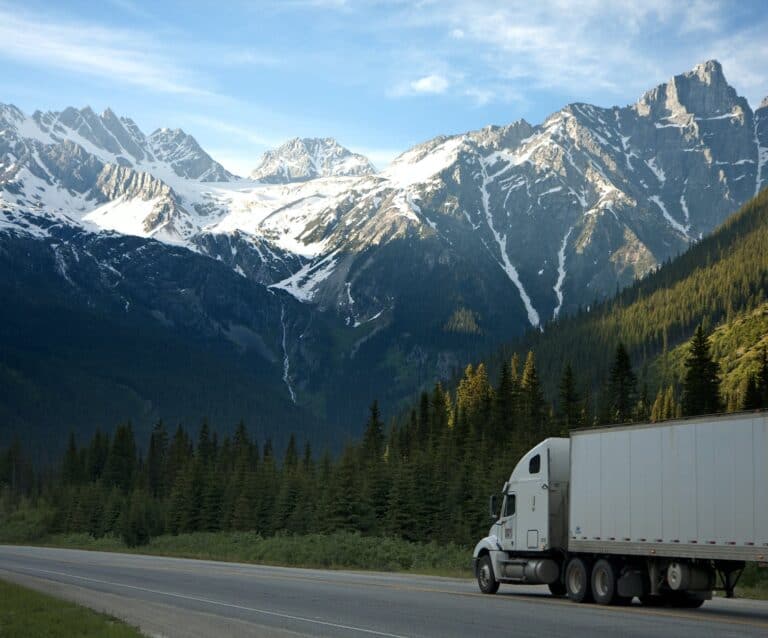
pixel 702 93
pixel 301 159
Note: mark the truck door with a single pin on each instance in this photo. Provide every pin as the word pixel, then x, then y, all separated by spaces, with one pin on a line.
pixel 509 522
pixel 533 505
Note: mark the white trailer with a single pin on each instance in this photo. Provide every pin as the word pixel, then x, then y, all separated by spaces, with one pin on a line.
pixel 666 512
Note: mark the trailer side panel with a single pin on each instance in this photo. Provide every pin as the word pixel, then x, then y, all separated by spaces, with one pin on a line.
pixel 693 488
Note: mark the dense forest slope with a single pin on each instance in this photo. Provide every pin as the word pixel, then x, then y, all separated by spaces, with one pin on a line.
pixel 712 282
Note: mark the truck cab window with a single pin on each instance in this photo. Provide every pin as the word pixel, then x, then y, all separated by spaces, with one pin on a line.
pixel 509 505
pixel 534 465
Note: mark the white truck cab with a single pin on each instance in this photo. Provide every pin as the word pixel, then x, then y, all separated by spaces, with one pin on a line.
pixel 530 525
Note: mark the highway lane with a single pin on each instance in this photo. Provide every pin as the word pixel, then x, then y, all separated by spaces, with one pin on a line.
pixel 188 598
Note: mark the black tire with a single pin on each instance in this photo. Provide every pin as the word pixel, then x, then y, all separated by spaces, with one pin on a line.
pixel 603 582
pixel 557 589
pixel 577 581
pixel 485 577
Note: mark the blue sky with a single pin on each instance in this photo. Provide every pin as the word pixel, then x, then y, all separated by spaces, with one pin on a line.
pixel 379 75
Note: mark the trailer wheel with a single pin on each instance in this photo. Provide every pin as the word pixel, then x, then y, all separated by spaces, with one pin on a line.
pixel 577 580
pixel 603 583
pixel 485 578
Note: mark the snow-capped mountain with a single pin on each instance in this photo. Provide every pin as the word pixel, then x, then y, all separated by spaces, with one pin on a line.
pixel 308 158
pixel 390 280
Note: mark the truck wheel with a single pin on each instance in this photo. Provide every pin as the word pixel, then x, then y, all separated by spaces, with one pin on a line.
pixel 603 583
pixel 557 589
pixel 577 580
pixel 485 578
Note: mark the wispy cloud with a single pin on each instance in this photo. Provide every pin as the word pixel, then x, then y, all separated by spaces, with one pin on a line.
pixel 242 133
pixel 112 54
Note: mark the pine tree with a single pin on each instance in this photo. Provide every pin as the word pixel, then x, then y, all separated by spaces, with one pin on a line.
pixel 701 386
pixel 762 376
pixel 291 459
pixel 156 460
pixel 135 522
pixel 121 462
pixel 212 503
pixel 97 455
pixel 657 409
pixel 753 396
pixel 71 471
pixel 373 437
pixel 178 456
pixel 532 398
pixel 504 405
pixel 622 387
pixel 569 399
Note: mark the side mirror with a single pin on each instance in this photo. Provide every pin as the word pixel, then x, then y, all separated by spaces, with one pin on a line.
pixel 493 508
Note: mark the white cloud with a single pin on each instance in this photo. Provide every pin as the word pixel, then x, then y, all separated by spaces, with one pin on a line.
pixel 481 96
pixel 433 83
pixel 116 55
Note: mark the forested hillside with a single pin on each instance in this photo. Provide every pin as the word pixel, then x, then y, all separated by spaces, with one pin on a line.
pixel 716 279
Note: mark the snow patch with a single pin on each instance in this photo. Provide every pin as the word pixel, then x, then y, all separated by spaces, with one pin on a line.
pixel 418 165
pixel 672 221
pixel 561 273
pixel 501 241
pixel 286 360
pixel 657 170
pixel 303 284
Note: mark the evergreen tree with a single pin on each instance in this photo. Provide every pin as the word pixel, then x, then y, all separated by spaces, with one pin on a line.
pixel 373 437
pixel 762 376
pixel 121 462
pixel 97 455
pixel 622 387
pixel 291 459
pixel 701 385
pixel 135 522
pixel 532 399
pixel 753 396
pixel 156 460
pixel 569 399
pixel 71 471
pixel 504 405
pixel 212 503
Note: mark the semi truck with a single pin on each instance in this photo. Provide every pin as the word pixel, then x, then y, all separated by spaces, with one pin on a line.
pixel 665 512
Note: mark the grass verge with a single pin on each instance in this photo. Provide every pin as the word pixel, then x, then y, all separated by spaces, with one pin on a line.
pixel 339 550
pixel 24 613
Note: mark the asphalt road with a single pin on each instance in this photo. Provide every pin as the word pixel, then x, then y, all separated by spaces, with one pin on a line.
pixel 189 598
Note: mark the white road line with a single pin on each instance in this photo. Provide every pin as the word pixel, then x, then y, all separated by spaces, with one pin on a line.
pixel 208 601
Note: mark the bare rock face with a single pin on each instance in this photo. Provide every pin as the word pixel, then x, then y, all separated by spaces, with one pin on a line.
pixel 302 159
pixel 186 158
